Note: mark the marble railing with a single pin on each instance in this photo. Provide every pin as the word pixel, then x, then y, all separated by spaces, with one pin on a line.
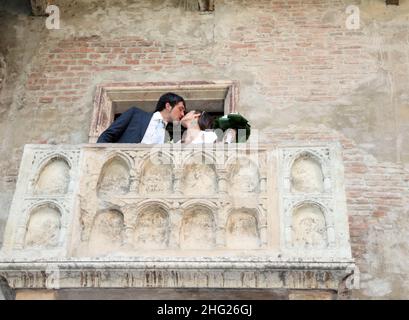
pixel 104 215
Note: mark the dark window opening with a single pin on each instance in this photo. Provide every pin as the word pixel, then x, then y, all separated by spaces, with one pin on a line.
pixel 215 97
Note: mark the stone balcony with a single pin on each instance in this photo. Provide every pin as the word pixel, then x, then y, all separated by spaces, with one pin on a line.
pixel 178 216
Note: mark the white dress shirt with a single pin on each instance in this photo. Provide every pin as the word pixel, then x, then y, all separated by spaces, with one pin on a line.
pixel 156 132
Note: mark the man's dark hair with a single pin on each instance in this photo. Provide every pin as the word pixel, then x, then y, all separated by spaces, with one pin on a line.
pixel 171 98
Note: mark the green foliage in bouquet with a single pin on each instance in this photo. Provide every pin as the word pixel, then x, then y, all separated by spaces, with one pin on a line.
pixel 234 121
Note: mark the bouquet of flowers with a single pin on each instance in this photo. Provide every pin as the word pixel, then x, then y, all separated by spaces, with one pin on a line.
pixel 236 124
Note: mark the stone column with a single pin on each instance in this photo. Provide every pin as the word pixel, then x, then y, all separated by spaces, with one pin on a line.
pixel 263 183
pixel 175 222
pixel 178 176
pixel 263 235
pixel 135 180
pixel 220 237
pixel 222 181
pixel 129 234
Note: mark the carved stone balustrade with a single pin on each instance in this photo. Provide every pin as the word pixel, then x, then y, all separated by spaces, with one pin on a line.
pixel 218 216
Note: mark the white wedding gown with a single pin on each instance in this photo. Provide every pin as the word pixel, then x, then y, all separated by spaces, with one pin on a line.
pixel 203 137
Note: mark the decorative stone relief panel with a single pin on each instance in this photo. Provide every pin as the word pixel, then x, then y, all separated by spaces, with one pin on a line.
pixel 152 228
pixel 242 231
pixel 157 177
pixel 199 179
pixel 312 198
pixel 306 175
pixel 198 229
pixel 305 218
pixel 43 227
pixel 43 204
pixel 244 177
pixel 54 178
pixel 115 177
pixel 107 232
pixel 309 226
pixel 128 208
pixel 307 170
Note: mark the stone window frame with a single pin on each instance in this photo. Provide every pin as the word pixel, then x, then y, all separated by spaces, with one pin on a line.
pixel 107 94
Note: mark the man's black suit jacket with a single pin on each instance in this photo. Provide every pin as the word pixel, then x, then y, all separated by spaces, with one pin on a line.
pixel 130 127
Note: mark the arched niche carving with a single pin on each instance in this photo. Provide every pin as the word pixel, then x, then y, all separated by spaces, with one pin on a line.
pixel 306 174
pixel 54 177
pixel 197 229
pixel 242 230
pixel 309 227
pixel 156 176
pixel 107 232
pixel 199 179
pixel 244 177
pixel 152 228
pixel 114 177
pixel 43 227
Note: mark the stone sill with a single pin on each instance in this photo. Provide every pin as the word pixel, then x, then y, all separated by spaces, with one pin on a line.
pixel 176 274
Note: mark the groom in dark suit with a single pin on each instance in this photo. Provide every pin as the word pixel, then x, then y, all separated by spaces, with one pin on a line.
pixel 138 126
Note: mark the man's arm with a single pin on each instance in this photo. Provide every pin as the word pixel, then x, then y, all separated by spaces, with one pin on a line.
pixel 117 128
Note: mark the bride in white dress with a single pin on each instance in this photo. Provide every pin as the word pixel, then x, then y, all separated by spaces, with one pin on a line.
pixel 199 128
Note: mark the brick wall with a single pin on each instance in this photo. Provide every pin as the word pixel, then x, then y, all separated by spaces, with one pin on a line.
pixel 298 57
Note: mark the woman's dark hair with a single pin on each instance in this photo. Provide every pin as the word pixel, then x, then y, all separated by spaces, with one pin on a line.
pixel 171 98
pixel 205 121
